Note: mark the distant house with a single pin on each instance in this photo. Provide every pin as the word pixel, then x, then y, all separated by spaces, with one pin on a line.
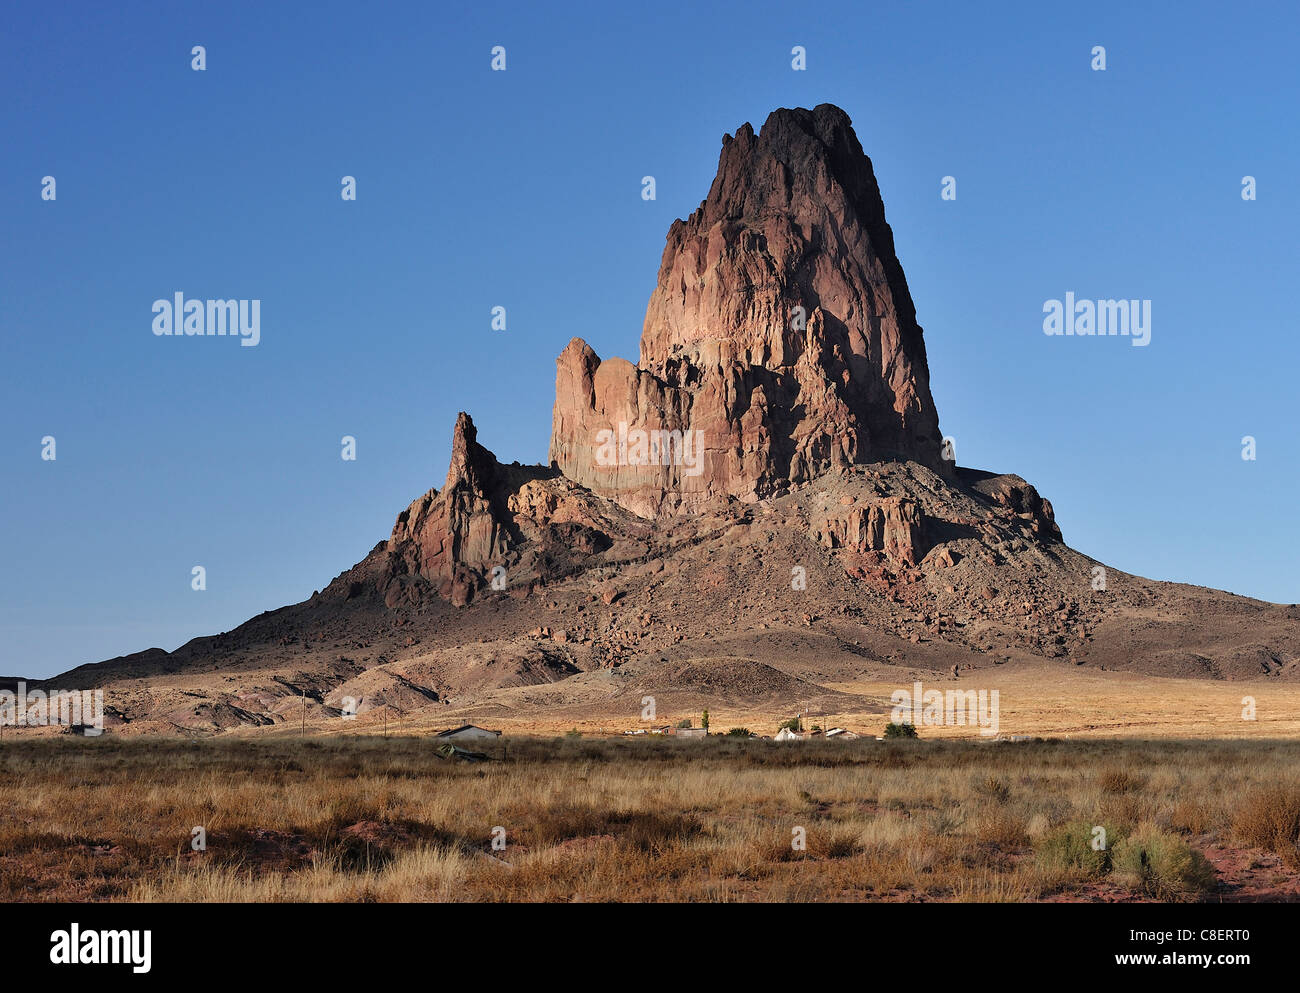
pixel 785 734
pixel 688 732
pixel 842 733
pixel 469 732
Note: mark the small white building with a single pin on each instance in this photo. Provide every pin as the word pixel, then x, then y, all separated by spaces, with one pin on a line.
pixel 469 732
pixel 842 733
pixel 785 734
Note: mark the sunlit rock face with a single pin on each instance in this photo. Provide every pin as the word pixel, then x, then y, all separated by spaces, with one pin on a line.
pixel 779 343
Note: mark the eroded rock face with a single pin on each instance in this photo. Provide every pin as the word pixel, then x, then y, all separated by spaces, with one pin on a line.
pixel 453 538
pixel 780 346
pixel 1019 498
pixel 781 340
pixel 894 526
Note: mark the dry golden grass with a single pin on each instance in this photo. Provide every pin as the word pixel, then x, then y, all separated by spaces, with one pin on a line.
pixel 1083 702
pixel 1270 819
pixel 368 819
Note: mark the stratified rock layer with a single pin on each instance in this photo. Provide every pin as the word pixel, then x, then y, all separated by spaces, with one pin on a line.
pixel 780 342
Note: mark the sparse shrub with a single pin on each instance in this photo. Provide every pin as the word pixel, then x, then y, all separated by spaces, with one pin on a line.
pixel 1069 847
pixel 1002 828
pixel 777 848
pixel 1038 825
pixel 1270 819
pixel 993 788
pixel 944 822
pixel 357 855
pixel 652 831
pixel 739 733
pixel 1125 809
pixel 1162 865
pixel 685 722
pixel 835 843
pixel 344 811
pixel 995 889
pixel 893 730
pixel 793 724
pixel 573 733
pixel 1118 781
pixel 823 842
pixel 560 822
pixel 1195 817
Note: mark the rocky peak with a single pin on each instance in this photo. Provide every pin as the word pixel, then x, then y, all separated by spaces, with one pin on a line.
pixel 780 341
pixel 472 466
pixel 451 540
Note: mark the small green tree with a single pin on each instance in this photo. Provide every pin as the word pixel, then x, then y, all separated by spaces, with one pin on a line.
pixel 685 722
pixel 739 733
pixel 794 724
pixel 704 722
pixel 893 730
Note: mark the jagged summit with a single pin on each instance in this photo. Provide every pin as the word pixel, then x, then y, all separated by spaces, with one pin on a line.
pixel 446 539
pixel 795 210
pixel 472 466
pixel 781 333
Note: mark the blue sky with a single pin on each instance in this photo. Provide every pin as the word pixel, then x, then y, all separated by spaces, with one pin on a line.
pixel 522 189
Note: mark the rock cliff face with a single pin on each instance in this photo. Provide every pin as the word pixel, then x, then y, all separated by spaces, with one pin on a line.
pixel 780 342
pixel 893 526
pixel 518 525
pixel 451 540
pixel 780 345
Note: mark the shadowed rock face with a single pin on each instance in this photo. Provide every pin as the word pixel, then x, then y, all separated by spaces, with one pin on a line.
pixel 780 342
